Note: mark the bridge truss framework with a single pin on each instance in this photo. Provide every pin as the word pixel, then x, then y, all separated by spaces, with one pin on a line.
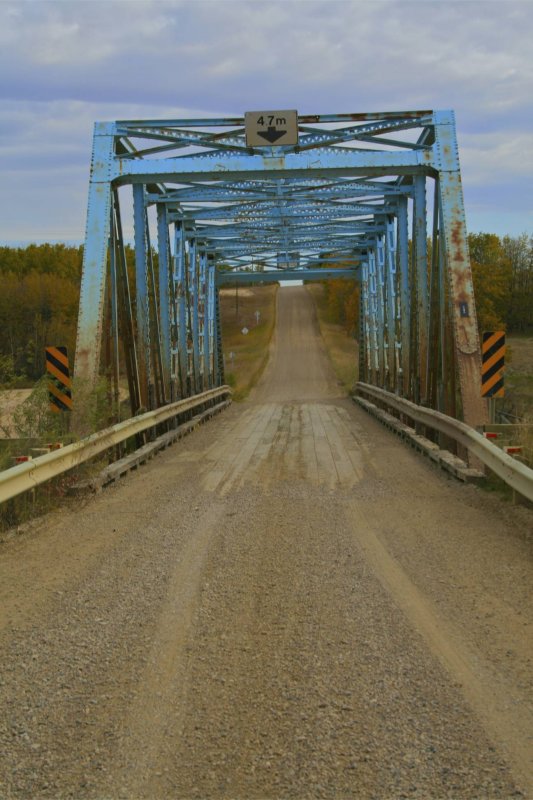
pixel 350 200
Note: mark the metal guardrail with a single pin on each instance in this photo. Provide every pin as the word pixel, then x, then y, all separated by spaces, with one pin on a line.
pixel 26 476
pixel 515 474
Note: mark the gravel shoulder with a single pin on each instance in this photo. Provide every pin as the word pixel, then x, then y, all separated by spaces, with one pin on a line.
pixel 287 604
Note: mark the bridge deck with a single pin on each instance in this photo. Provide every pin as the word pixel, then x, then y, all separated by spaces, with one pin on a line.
pixel 289 603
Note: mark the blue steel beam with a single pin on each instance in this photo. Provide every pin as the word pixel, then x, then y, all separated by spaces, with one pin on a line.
pixel 272 276
pixel 93 280
pixel 341 162
pixel 224 191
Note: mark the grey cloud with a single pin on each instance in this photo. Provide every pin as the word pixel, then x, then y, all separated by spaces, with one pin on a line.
pixel 65 64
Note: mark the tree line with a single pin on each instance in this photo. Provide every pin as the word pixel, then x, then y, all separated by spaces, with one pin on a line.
pixel 502 271
pixel 40 287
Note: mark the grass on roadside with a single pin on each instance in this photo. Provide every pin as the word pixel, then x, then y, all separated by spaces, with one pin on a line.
pixel 518 377
pixel 252 309
pixel 342 349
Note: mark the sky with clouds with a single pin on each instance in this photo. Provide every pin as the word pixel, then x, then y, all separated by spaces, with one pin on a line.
pixel 67 63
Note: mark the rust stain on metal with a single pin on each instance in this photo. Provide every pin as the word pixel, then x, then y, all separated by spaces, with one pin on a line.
pixel 458 241
pixel 82 362
pixel 364 117
pixel 270 162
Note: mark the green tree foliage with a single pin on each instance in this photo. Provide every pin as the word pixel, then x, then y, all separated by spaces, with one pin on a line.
pixel 519 251
pixel 38 305
pixel 491 269
pixel 503 281
pixel 341 299
pixel 39 300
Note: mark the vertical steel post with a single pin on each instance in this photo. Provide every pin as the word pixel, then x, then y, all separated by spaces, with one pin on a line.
pixel 193 313
pixel 433 324
pixel 180 284
pixel 202 320
pixel 459 273
pixel 374 269
pixel 444 354
pixel 219 358
pixel 163 246
pixel 142 297
pixel 158 386
pixel 209 327
pixel 363 373
pixel 405 293
pixel 380 260
pixel 126 313
pixel 114 315
pixel 421 274
pixel 390 253
pixel 92 290
pixel 369 328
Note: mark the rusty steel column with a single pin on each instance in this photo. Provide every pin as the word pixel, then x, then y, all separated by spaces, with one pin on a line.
pixel 421 274
pixel 459 272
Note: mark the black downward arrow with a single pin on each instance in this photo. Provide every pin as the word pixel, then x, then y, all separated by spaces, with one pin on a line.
pixel 271 135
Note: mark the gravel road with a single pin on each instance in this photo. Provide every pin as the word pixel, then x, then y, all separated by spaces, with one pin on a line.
pixel 289 603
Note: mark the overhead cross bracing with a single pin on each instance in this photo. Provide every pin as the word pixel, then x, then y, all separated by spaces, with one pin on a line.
pixel 268 220
pixel 347 197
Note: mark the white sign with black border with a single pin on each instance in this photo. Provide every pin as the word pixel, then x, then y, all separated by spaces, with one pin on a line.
pixel 264 128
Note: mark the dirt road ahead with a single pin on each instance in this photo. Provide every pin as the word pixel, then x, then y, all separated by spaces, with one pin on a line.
pixel 287 604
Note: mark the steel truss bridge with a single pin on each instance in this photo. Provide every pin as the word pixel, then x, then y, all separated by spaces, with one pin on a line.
pixel 375 198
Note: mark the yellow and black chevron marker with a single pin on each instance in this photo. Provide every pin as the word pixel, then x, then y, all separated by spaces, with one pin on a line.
pixel 492 364
pixel 59 386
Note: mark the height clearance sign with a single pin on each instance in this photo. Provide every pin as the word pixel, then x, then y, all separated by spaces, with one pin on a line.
pixel 265 128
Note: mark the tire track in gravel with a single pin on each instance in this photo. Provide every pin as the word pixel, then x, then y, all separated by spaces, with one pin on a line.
pixel 507 719
pixel 144 733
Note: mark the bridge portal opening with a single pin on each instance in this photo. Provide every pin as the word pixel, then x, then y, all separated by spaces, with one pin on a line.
pixel 370 197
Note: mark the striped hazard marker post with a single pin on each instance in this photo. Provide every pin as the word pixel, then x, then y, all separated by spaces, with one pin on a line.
pixel 59 385
pixel 492 368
